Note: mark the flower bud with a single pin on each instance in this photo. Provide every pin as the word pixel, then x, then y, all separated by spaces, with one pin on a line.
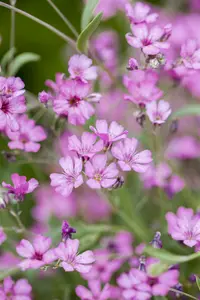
pixel 167 32
pixel 156 242
pixel 142 265
pixel 174 126
pixel 118 184
pixel 44 97
pixel 132 64
pixel 67 231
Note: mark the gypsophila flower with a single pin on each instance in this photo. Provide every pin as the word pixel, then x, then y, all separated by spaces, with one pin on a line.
pixel 139 13
pixel 158 112
pixel 70 259
pixel 129 158
pixel 20 187
pixel 71 177
pixel 190 53
pixel 36 254
pixel 44 97
pixel 19 290
pixel 95 291
pixel 99 173
pixel 11 87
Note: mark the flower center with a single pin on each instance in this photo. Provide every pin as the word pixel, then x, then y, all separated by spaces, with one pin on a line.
pixel 5 106
pixel 74 102
pixel 98 177
pixel 146 42
pixel 38 256
pixel 24 138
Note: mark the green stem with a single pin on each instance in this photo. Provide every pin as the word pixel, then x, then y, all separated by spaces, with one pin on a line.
pixel 66 21
pixel 17 220
pixel 184 294
pixel 48 26
pixel 12 28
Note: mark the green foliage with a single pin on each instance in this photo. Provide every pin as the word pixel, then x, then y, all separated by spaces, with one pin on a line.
pixel 88 13
pixel 21 60
pixel 188 110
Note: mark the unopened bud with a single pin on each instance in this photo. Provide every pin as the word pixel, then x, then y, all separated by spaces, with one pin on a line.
pixel 9 156
pixel 167 32
pixel 174 126
pixel 67 231
pixel 13 2
pixel 156 242
pixel 44 97
pixel 132 64
pixel 118 183
pixel 3 200
pixel 142 265
pixel 140 119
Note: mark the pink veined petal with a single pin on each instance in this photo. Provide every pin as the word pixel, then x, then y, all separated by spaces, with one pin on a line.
pixel 2 120
pixel 169 278
pixel 162 45
pixel 133 41
pixel 72 247
pixel 74 143
pixel 65 190
pixel 31 147
pixel 41 243
pixel 110 171
pixel 150 50
pixel 67 267
pixel 86 257
pixel 78 165
pixel 88 139
pixel 83 268
pixel 8 284
pixel 160 289
pixel 124 281
pixel 89 169
pixel 190 243
pixel 106 183
pixel 18 180
pixel 22 287
pixel 32 185
pixel 140 31
pixel 83 293
pixel 117 150
pixel 58 179
pixel 49 256
pixel 78 181
pixel 102 126
pixel 67 164
pixel 12 122
pixel 99 161
pixel 93 184
pixel 25 249
pixel 124 166
pixel 129 294
pixel 156 33
pixel 16 145
pixel 152 18
pixel 91 73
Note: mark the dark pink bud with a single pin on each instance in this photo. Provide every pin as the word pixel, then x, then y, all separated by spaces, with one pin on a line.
pixel 44 97
pixel 67 231
pixel 132 64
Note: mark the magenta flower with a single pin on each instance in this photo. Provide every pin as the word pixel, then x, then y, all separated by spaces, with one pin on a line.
pixel 2 236
pixel 95 291
pixel 142 87
pixel 100 175
pixel 9 108
pixel 70 259
pixel 87 147
pixel 44 97
pixel 80 67
pixel 36 254
pixel 140 13
pixel 11 87
pixel 184 226
pixel 158 112
pixel 71 177
pixel 71 102
pixel 190 53
pixel 113 133
pixel 161 285
pixel 19 290
pixel 132 64
pixel 128 158
pixel 135 285
pixel 20 187
pixel 150 41
pixel 28 136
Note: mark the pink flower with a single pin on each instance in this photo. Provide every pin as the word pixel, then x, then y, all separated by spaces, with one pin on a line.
pixel 100 175
pixel 150 41
pixel 113 133
pixel 11 87
pixel 71 102
pixel 71 177
pixel 185 147
pixel 142 87
pixel 2 236
pixel 161 285
pixel 110 7
pixel 21 290
pixel 87 147
pixel 9 108
pixel 27 137
pixel 139 13
pixel 184 226
pixel 132 64
pixel 36 254
pixel 95 291
pixel 20 187
pixel 44 97
pixel 135 285
pixel 70 259
pixel 128 158
pixel 80 67
pixel 158 112
pixel 190 53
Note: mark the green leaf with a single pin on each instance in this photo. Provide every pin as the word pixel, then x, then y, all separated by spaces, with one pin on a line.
pixel 88 241
pixel 8 56
pixel 198 282
pixel 8 272
pixel 88 13
pixel 158 268
pixel 188 110
pixel 168 257
pixel 21 60
pixel 82 42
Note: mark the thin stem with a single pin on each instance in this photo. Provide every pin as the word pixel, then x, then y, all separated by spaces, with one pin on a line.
pixel 17 220
pixel 12 28
pixel 66 21
pixel 48 26
pixel 184 294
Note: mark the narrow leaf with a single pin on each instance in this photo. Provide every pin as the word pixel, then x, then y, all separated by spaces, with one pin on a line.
pixel 198 282
pixel 82 42
pixel 88 241
pixel 157 269
pixel 8 56
pixel 168 257
pixel 188 110
pixel 88 12
pixel 21 60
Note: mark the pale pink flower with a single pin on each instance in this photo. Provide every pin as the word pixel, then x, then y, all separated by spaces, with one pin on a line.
pixel 150 41
pixel 80 67
pixel 28 136
pixel 142 87
pixel 44 97
pixel 100 175
pixel 70 259
pixel 110 7
pixel 129 158
pixel 158 112
pixel 19 290
pixel 190 53
pixel 72 102
pixel 9 108
pixel 184 226
pixel 20 187
pixel 109 134
pixel 183 147
pixel 71 176
pixel 36 254
pixel 2 236
pixel 140 13
pixel 87 146
pixel 11 87
pixel 95 291
pixel 135 285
